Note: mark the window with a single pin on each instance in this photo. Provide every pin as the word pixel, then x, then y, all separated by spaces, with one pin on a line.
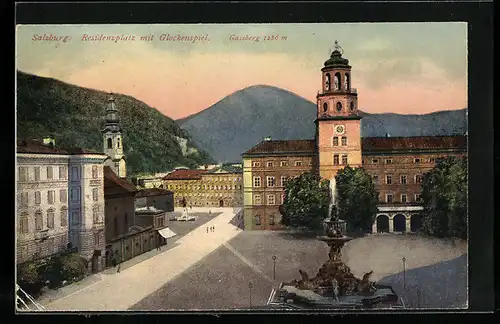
pixel 271 181
pixel 283 180
pixel 325 107
pixel 344 140
pixel 335 159
pixel 417 160
pixel 418 178
pixel 256 164
pixel 418 198
pixel 271 199
pixel 344 159
pixel 75 217
pixel 283 163
pixel 24 199
pixel 23 224
pixel 257 220
pixel 51 194
pixel 94 172
pixel 374 161
pixel 38 198
pixel 388 198
pixel 50 218
pixel 388 161
pixel 64 216
pixel 38 220
pixel 96 239
pixel 75 194
pixel 269 164
pixel 95 214
pixel 335 141
pixel 403 179
pixel 271 219
pixel 75 175
pixel 375 179
pixel 110 143
pixel 404 198
pixel 23 174
pixel 257 200
pixel 37 173
pixel 50 175
pixel 432 160
pixel 63 195
pixel 388 179
pixel 63 172
pixel 283 198
pixel 95 194
pixel 50 245
pixel 298 163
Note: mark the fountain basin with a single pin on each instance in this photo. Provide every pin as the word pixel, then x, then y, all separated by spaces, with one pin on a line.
pixel 335 240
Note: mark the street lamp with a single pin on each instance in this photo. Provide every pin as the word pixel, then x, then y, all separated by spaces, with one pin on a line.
pixel 274 267
pixel 250 287
pixel 404 272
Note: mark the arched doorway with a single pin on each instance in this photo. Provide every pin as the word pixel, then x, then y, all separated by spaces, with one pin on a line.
pixel 221 203
pixel 416 222
pixel 399 223
pixel 382 223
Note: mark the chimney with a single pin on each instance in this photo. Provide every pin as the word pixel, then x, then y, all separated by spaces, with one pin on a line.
pixel 49 140
pixel 267 139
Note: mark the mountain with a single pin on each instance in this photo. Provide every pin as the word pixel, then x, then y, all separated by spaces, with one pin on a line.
pixel 75 116
pixel 242 119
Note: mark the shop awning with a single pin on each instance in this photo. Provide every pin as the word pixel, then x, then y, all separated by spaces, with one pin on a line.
pixel 166 232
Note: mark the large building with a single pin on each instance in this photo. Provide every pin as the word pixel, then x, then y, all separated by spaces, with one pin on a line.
pixel 218 187
pixel 397 164
pixel 60 201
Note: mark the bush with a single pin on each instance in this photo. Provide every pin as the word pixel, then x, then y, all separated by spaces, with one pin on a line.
pixel 29 278
pixel 71 266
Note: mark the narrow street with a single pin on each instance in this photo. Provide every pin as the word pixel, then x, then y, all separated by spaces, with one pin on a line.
pixel 119 291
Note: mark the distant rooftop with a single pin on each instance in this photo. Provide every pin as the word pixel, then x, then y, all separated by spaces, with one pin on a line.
pixel 283 147
pixel 182 174
pixel 373 144
pixel 147 192
pixel 111 177
pixel 39 147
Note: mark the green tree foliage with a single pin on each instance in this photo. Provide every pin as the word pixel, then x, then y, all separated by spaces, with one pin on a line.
pixel 444 197
pixel 28 273
pixel 357 198
pixel 75 116
pixel 306 202
pixel 72 266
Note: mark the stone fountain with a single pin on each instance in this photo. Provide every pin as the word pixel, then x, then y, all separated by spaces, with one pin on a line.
pixel 334 286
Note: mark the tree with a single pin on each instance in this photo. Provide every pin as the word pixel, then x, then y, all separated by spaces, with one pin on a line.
pixel 306 202
pixel 357 198
pixel 444 197
pixel 72 266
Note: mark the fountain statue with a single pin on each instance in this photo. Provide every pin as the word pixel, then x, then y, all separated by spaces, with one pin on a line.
pixel 334 279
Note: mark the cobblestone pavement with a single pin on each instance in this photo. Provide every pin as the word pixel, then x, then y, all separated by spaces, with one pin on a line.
pixel 220 280
pixel 119 291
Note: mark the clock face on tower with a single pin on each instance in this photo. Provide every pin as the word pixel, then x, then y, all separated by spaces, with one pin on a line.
pixel 339 129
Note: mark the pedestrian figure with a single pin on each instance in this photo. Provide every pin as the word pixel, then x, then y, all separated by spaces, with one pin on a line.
pixel 213 228
pixel 207 229
pixel 113 262
pixel 118 270
pixel 209 211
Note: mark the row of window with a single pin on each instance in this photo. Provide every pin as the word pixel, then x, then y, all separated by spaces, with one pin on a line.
pixel 389 198
pixel 215 179
pixel 23 225
pixel 271 220
pixel 25 176
pixel 204 187
pixel 415 160
pixel 340 159
pixel 206 195
pixel 403 179
pixel 271 199
pixel 343 141
pixel 270 164
pixel 23 197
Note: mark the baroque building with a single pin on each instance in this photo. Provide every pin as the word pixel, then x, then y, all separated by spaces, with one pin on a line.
pixel 397 164
pixel 60 201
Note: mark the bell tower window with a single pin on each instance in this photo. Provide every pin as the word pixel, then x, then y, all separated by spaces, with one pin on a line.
pixel 325 107
pixel 338 81
pixel 346 81
pixel 327 82
pixel 352 106
pixel 110 143
pixel 339 106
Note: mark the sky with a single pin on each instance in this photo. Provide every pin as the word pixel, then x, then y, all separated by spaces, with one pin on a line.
pixel 406 68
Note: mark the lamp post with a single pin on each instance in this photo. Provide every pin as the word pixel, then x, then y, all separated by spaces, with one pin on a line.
pixel 250 288
pixel 274 267
pixel 404 272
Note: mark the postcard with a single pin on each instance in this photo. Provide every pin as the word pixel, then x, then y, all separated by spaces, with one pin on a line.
pixel 266 167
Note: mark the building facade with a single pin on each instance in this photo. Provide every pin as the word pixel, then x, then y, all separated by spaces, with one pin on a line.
pixel 219 187
pixel 60 202
pixel 397 164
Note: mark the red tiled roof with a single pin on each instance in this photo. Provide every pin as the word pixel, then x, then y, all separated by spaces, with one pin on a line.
pixel 370 144
pixel 110 176
pixel 153 192
pixel 35 146
pixel 182 174
pixel 289 146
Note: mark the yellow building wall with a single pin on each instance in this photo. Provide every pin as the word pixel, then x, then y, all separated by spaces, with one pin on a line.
pixel 247 193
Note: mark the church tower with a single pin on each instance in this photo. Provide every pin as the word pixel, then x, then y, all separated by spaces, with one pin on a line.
pixel 112 137
pixel 338 124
